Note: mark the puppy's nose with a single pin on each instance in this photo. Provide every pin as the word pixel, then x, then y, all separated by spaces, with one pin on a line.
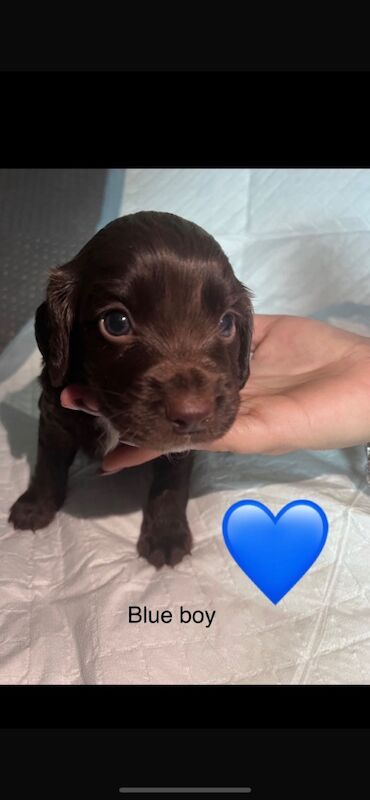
pixel 187 413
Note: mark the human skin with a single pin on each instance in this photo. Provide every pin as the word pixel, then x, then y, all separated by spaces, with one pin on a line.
pixel 309 388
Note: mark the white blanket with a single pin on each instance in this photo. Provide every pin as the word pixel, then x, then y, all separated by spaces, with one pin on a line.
pixel 300 239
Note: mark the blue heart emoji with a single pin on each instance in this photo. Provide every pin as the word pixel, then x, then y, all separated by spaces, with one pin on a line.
pixel 275 552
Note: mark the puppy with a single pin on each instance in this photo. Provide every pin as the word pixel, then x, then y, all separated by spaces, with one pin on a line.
pixel 150 317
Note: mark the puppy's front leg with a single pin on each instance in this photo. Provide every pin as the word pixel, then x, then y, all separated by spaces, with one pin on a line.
pixel 47 490
pixel 165 536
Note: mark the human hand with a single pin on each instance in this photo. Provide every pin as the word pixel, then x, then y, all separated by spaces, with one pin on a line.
pixel 309 388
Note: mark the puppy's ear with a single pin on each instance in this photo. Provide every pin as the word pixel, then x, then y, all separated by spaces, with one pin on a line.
pixel 244 324
pixel 54 321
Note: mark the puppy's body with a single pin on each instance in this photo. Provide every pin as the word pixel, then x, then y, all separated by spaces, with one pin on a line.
pixel 150 318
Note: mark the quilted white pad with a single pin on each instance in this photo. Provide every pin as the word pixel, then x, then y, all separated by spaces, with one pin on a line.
pixel 300 239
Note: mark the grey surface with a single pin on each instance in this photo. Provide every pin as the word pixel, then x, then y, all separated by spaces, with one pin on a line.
pixel 46 216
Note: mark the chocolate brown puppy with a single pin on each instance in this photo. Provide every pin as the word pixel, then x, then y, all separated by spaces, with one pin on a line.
pixel 151 318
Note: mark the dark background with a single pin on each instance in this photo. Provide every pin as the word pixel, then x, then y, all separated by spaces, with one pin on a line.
pixel 92 764
pixel 47 215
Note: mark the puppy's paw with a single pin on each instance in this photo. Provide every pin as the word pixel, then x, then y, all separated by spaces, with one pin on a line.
pixel 164 543
pixel 31 512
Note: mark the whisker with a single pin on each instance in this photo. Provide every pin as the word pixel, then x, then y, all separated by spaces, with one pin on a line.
pixel 108 391
pixel 98 389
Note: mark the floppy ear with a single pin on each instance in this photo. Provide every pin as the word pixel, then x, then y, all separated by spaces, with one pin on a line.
pixel 42 329
pixel 54 321
pixel 244 323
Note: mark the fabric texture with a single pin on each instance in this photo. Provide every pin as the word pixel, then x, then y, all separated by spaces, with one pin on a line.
pixel 300 240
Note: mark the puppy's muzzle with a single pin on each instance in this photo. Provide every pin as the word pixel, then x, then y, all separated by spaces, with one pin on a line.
pixel 188 413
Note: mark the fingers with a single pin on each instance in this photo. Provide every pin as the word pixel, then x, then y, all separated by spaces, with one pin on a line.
pixel 245 437
pixel 250 434
pixel 79 398
pixel 126 456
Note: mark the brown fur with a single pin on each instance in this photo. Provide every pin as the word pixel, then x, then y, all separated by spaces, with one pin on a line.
pixel 175 283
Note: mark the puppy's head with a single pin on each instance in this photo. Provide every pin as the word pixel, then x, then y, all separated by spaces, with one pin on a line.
pixel 151 317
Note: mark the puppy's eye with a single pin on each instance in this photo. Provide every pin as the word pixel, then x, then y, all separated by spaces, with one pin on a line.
pixel 116 323
pixel 226 325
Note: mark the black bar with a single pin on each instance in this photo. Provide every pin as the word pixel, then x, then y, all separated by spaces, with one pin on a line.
pixel 184 706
